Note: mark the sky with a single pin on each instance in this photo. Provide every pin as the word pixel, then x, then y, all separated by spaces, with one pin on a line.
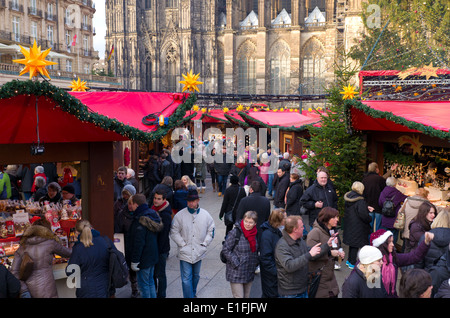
pixel 100 27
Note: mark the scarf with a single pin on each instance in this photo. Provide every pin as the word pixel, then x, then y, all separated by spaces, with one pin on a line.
pixel 250 235
pixel 161 207
pixel 388 275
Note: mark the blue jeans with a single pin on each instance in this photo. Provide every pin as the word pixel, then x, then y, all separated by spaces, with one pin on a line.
pixel 190 275
pixel 146 282
pixel 222 181
pixel 160 275
pixel 269 184
pixel 304 295
pixel 376 217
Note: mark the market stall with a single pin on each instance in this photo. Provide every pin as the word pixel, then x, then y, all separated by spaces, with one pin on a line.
pixel 414 134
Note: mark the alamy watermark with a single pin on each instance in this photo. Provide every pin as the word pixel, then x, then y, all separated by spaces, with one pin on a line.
pixel 232 149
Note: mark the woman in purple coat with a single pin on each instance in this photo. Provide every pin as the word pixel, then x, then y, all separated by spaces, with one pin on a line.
pixel 384 241
pixel 391 192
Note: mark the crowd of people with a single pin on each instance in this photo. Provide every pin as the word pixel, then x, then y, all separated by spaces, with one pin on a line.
pixel 296 243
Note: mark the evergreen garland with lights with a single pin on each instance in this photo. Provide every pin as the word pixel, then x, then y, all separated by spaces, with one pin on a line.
pixel 73 106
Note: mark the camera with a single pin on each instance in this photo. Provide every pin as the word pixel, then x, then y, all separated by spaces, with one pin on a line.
pixel 37 149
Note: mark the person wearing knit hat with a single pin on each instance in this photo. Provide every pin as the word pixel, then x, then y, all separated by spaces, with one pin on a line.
pixel 68 193
pixel 130 189
pixel 192 230
pixel 365 281
pixel 384 241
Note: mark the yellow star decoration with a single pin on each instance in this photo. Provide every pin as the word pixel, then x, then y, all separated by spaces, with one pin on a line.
pixel 78 86
pixel 203 110
pixel 34 61
pixel 195 108
pixel 428 71
pixel 225 109
pixel 240 108
pixel 349 92
pixel 190 82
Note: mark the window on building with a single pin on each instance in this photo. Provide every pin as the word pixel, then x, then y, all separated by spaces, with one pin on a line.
pixel 86 45
pixel 68 65
pixel 50 11
pixel 247 75
pixel 33 31
pixel 171 3
pixel 16 28
pixel 171 68
pixel 50 34
pixel 148 4
pixel 280 69
pixel 313 69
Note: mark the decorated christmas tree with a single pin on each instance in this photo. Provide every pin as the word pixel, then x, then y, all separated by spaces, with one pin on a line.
pixel 333 144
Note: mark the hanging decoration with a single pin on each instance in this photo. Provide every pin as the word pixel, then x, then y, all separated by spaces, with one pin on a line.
pixel 190 82
pixel 349 92
pixel 78 86
pixel 34 61
pixel 413 141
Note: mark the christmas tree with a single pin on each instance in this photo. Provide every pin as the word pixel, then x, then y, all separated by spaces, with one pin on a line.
pixel 402 34
pixel 333 144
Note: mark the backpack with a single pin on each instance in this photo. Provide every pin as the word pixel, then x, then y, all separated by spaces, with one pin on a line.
pixel 118 268
pixel 388 209
pixel 236 241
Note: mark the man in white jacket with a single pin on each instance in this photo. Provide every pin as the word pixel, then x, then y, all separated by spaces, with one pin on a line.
pixel 192 230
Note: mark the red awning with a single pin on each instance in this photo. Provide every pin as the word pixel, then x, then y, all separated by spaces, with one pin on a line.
pixel 280 119
pixel 131 107
pixel 18 122
pixel 425 116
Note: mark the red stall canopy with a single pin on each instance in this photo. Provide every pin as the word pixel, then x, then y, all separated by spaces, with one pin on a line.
pixel 287 120
pixel 428 117
pixel 19 122
pixel 130 107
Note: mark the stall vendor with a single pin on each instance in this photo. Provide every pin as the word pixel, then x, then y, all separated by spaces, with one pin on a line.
pixel 68 194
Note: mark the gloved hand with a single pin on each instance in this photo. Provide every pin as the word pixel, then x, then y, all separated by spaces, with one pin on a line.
pixel 134 267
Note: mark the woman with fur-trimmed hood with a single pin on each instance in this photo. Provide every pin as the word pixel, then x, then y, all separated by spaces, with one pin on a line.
pixel 41 244
pixel 356 222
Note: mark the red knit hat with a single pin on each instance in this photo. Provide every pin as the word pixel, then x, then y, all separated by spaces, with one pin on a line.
pixel 379 237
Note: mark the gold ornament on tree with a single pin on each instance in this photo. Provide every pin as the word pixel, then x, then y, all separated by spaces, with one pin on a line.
pixel 34 61
pixel 349 92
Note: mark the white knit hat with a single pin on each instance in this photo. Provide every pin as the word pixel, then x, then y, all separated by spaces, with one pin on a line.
pixel 369 254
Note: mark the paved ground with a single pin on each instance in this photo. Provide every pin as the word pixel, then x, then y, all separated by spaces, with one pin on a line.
pixel 212 281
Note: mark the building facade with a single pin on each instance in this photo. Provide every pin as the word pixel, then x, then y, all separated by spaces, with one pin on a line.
pixel 238 46
pixel 63 25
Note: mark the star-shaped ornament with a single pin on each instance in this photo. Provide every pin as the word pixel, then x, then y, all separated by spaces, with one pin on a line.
pixel 34 61
pixel 190 82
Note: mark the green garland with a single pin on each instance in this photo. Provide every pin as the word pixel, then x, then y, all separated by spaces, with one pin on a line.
pixel 427 130
pixel 236 121
pixel 73 106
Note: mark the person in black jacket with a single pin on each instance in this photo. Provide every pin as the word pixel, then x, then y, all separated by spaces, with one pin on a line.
pixel 231 199
pixel 271 233
pixel 222 170
pixel 293 195
pixel 255 202
pixel 319 195
pixel 281 188
pixel 143 244
pixel 373 185
pixel 164 210
pixel 356 222
pixel 9 284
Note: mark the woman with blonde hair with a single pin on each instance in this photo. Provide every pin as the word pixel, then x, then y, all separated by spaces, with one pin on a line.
pixel 91 254
pixel 356 222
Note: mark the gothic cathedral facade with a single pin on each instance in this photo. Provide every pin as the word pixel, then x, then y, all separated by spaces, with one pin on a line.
pixel 238 46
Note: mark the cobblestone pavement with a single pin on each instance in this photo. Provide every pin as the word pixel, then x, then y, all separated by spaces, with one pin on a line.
pixel 212 282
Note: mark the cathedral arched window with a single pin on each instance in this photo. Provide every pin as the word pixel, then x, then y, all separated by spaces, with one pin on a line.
pixel 313 79
pixel 247 69
pixel 171 69
pixel 279 81
pixel 171 3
